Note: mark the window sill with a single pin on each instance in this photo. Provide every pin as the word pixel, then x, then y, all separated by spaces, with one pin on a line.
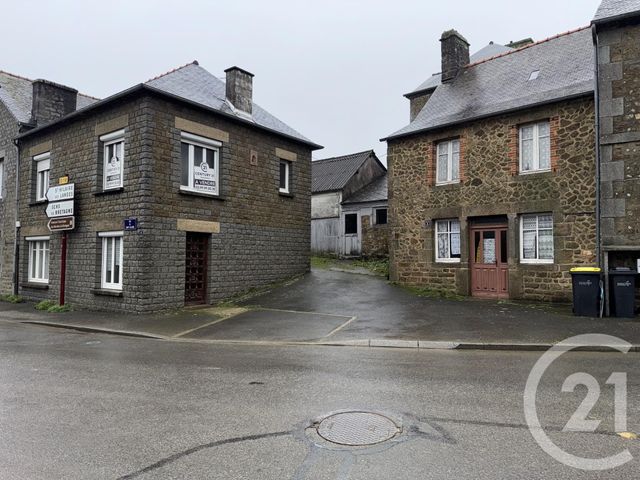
pixel 106 292
pixel 187 191
pixel 35 285
pixel 538 263
pixel 285 194
pixel 37 202
pixel 111 191
pixel 452 261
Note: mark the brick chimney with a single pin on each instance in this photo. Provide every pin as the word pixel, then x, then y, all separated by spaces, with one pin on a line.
pixel 240 89
pixel 455 54
pixel 51 101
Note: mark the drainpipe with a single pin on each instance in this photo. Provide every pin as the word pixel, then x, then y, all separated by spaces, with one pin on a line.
pixel 604 307
pixel 597 113
pixel 16 237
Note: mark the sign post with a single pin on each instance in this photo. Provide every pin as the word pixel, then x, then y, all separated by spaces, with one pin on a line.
pixel 60 211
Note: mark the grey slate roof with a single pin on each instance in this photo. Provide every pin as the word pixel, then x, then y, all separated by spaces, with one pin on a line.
pixel 612 9
pixel 16 93
pixel 194 83
pixel 491 50
pixel 502 84
pixel 331 174
pixel 376 191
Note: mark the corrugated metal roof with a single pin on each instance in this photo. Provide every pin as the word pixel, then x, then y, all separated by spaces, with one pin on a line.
pixel 501 84
pixel 331 174
pixel 610 9
pixel 194 83
pixel 376 191
pixel 491 50
pixel 16 93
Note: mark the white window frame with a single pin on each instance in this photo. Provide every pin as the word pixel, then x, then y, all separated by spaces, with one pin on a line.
pixel 545 261
pixel 43 167
pixel 107 140
pixel 104 236
pixel 1 178
pixel 535 168
pixel 448 232
pixel 450 152
pixel 287 178
pixel 203 142
pixel 38 246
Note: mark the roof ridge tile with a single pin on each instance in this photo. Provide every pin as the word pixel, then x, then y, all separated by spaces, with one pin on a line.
pixel 194 62
pixel 539 42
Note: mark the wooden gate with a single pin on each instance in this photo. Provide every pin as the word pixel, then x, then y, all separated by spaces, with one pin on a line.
pixel 489 261
pixel 195 280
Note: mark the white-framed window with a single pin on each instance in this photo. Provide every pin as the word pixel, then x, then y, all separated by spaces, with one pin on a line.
pixel 536 238
pixel 448 162
pixel 111 276
pixel 43 165
pixel 38 259
pixel 200 164
pixel 535 147
pixel 113 160
pixel 447 241
pixel 285 176
pixel 1 177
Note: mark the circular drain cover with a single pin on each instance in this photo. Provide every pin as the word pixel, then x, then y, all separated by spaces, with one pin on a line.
pixel 357 428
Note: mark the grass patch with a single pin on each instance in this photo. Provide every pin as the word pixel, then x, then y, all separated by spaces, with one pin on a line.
pixel 322 262
pixel 379 266
pixel 11 298
pixel 431 292
pixel 59 309
pixel 44 305
pixel 51 307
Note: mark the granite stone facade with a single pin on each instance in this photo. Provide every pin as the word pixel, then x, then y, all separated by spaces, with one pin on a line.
pixel 619 94
pixel 257 235
pixel 491 190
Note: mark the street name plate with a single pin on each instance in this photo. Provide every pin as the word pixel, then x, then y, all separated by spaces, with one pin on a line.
pixel 60 224
pixel 61 192
pixel 60 209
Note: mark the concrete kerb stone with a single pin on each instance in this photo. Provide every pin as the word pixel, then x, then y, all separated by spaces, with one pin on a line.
pixel 367 343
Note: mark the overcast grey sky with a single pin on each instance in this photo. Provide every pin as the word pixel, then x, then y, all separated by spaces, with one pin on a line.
pixel 335 70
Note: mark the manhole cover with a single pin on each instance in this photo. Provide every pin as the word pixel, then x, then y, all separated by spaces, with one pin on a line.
pixel 357 428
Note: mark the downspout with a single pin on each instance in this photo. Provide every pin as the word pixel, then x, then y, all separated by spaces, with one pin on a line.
pixel 16 237
pixel 604 285
pixel 597 114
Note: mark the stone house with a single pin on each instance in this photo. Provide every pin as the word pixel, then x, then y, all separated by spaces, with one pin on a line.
pixel 616 35
pixel 23 107
pixel 349 205
pixel 186 192
pixel 492 183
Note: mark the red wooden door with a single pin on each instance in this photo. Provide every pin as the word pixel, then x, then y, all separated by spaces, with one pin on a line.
pixel 489 261
pixel 195 280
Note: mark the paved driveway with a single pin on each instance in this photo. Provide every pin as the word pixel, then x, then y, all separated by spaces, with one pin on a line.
pixel 382 310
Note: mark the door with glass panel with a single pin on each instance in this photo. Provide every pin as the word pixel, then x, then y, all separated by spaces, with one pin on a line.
pixel 489 261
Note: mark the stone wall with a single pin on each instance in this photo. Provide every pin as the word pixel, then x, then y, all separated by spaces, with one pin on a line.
pixel 489 187
pixel 8 131
pixel 263 235
pixel 375 238
pixel 619 88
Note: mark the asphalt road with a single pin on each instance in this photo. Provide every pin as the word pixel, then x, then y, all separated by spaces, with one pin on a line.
pixel 89 406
